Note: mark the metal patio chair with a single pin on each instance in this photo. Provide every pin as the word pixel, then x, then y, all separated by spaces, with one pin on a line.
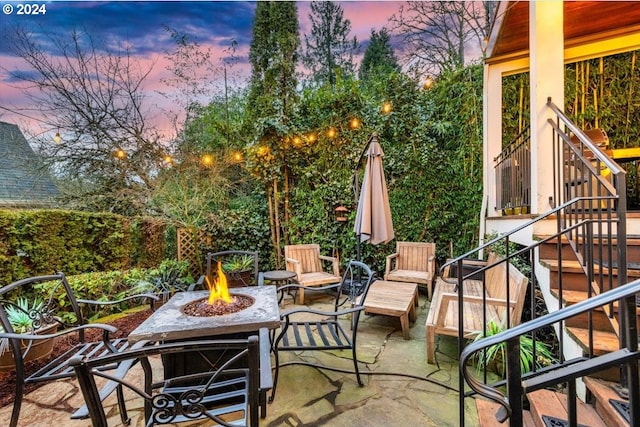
pixel 227 394
pixel 48 312
pixel 305 328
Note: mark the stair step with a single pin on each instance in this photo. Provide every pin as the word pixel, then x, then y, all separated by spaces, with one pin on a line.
pixel 487 415
pixel 600 320
pixel 603 342
pixel 573 266
pixel 573 297
pixel 550 250
pixel 554 404
pixel 602 391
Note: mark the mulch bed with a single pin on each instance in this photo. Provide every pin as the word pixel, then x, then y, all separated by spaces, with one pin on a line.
pixel 8 378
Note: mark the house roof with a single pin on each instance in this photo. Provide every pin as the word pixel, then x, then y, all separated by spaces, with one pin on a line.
pixel 583 21
pixel 25 181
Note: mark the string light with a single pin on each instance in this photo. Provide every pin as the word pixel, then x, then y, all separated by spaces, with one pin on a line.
pixel 428 83
pixel 332 132
pixel 311 137
pixel 386 107
pixel 167 159
pixel 237 156
pixel 297 141
pixel 207 159
pixel 354 123
pixel 120 154
pixel 57 139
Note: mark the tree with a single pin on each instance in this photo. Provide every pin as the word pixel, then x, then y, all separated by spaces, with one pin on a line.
pixel 437 33
pixel 272 97
pixel 328 49
pixel 109 154
pixel 379 57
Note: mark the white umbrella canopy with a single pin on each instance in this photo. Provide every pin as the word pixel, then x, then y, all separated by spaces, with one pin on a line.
pixel 373 217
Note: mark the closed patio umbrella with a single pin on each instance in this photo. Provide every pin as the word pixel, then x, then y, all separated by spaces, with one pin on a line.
pixel 373 217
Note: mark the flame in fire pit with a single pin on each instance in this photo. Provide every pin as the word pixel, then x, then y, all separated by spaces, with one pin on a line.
pixel 219 289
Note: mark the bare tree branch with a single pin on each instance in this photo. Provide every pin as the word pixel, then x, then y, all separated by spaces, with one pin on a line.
pixel 95 98
pixel 437 34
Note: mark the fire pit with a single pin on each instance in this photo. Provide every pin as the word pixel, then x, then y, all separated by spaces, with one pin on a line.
pixel 218 311
pixel 170 322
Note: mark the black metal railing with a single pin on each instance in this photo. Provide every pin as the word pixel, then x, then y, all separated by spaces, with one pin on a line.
pixel 513 176
pixel 589 210
pixel 562 372
pixel 585 174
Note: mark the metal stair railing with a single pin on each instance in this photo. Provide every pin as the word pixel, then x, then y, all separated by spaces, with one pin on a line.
pixel 511 255
pixel 563 372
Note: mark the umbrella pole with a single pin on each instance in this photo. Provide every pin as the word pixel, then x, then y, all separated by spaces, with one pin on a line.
pixel 356 192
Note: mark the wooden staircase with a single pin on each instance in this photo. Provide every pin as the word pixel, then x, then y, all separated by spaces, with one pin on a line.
pixel 548 408
pixel 575 289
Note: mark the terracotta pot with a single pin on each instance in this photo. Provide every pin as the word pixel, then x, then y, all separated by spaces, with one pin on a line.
pixel 39 349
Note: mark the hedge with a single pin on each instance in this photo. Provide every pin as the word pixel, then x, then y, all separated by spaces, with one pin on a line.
pixel 35 242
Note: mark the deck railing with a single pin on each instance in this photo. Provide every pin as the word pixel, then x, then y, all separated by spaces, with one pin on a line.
pixel 513 176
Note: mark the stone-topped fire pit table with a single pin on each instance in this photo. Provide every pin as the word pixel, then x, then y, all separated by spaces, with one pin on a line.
pixel 169 323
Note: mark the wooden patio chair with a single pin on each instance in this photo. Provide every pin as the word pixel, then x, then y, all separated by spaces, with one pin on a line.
pixel 305 329
pixel 226 394
pixel 61 297
pixel 413 262
pixel 308 264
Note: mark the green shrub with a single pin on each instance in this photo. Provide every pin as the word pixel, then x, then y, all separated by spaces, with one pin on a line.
pixel 114 285
pixel 35 242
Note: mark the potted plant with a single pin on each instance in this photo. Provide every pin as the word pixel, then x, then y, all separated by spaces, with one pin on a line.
pixel 238 269
pixel 20 316
pixel 171 276
pixel 493 358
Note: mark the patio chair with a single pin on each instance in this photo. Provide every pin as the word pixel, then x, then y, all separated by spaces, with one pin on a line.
pixel 307 263
pixel 227 393
pixel 237 274
pixel 304 328
pixel 412 262
pixel 61 314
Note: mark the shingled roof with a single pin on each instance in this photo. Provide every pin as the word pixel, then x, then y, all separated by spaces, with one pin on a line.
pixel 24 181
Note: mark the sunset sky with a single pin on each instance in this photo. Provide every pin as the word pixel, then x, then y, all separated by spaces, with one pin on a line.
pixel 141 25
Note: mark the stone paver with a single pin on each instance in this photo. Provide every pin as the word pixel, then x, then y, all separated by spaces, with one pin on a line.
pixel 316 397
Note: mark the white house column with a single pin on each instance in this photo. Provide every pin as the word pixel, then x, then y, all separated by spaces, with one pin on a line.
pixel 546 45
pixel 492 133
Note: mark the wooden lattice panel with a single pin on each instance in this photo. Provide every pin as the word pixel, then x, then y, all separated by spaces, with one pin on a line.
pixel 189 244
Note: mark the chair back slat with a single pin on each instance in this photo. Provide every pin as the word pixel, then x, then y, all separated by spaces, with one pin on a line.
pixel 308 255
pixel 414 255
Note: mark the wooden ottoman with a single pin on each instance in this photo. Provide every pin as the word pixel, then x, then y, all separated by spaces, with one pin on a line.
pixel 398 299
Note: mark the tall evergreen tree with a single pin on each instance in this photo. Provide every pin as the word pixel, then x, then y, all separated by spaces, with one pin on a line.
pixel 274 55
pixel 272 97
pixel 328 49
pixel 378 57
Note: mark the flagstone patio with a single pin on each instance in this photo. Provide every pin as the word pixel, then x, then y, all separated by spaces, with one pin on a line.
pixel 308 396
